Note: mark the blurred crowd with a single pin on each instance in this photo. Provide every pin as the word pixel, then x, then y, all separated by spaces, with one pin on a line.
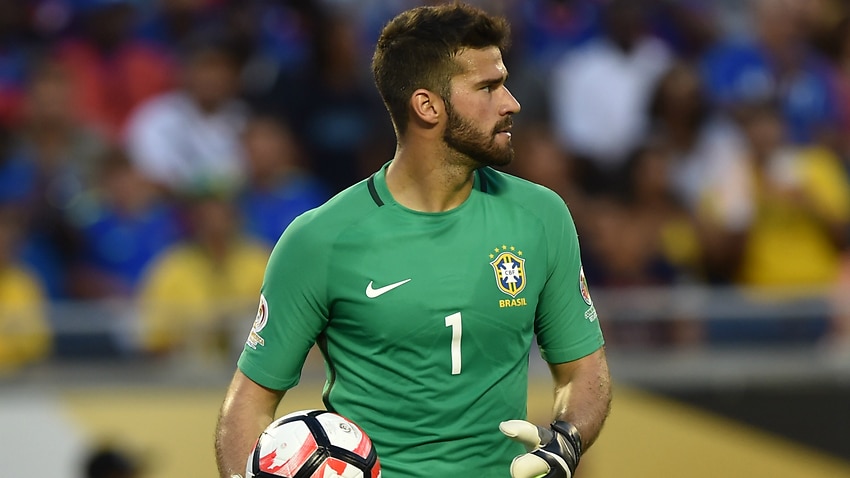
pixel 153 151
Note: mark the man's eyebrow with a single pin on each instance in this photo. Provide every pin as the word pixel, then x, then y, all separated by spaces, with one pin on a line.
pixel 493 80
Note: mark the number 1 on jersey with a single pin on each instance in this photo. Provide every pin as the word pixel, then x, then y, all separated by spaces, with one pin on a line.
pixel 454 321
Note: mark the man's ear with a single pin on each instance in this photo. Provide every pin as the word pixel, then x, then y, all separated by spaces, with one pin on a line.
pixel 428 107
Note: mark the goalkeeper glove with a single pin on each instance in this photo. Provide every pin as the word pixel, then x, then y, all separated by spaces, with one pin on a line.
pixel 552 452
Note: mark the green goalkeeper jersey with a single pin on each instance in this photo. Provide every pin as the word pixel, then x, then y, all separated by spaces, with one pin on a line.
pixel 426 320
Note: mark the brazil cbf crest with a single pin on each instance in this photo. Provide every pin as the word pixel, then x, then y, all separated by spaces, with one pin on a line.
pixel 509 267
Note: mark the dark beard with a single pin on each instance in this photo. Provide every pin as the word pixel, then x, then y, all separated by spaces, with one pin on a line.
pixel 462 136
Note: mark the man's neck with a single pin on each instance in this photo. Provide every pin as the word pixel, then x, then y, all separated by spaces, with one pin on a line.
pixel 427 180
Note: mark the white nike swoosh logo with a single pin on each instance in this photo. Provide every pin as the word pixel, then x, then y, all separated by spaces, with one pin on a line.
pixel 372 293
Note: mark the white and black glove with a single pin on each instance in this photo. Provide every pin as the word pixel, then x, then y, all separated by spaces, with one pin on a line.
pixel 552 452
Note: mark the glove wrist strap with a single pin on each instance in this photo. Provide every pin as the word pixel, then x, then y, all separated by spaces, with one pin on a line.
pixel 570 432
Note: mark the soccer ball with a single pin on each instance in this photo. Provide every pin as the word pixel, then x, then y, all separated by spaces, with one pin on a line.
pixel 313 444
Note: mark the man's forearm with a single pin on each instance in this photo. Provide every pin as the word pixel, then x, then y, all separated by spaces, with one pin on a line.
pixel 585 400
pixel 234 439
pixel 246 411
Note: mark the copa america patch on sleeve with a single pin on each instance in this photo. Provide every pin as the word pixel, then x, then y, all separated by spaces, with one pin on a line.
pixel 582 285
pixel 254 338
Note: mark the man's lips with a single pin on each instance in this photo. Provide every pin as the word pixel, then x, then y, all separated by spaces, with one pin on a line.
pixel 506 129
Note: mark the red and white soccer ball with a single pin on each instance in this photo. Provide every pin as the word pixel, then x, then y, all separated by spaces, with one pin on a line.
pixel 313 444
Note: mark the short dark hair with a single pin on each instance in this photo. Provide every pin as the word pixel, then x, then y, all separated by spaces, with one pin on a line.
pixel 417 49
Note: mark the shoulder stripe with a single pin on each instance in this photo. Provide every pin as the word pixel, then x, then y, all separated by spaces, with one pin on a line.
pixel 373 191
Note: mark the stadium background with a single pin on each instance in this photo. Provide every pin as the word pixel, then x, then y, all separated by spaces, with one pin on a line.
pixel 151 151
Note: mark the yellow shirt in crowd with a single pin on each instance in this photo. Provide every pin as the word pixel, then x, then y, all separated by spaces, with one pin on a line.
pixel 186 297
pixel 787 245
pixel 24 332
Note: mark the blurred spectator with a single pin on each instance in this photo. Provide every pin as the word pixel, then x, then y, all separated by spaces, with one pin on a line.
pixel 189 138
pixel 672 227
pixel 111 71
pixel 600 92
pixel 278 187
pixel 24 333
pixel 689 27
pixel 838 336
pixel 709 170
pixel 109 462
pixel 549 28
pixel 52 164
pixel 540 159
pixel 129 225
pixel 17 173
pixel 793 248
pixel 336 110
pixel 645 237
pixel 49 132
pixel 194 290
pixel 15 55
pixel 777 64
pixel 272 40
pixel 172 25
pixel 662 247
pixel 802 214
pixel 821 22
pixel 840 53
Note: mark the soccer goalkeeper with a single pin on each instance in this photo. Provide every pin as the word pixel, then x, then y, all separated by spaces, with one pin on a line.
pixel 426 284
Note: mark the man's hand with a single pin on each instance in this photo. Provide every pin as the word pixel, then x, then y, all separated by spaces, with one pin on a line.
pixel 552 452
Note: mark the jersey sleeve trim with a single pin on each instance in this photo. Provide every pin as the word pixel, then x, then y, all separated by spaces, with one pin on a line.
pixel 555 356
pixel 256 373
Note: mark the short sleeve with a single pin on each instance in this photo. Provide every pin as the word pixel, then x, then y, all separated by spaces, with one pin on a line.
pixel 566 325
pixel 292 309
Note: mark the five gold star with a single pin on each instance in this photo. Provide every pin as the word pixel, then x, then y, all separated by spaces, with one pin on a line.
pixel 505 248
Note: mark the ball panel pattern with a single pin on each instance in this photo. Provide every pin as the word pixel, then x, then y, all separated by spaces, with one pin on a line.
pixel 313 444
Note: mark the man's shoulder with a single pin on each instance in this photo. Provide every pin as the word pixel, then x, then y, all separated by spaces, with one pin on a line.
pixel 507 187
pixel 336 214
